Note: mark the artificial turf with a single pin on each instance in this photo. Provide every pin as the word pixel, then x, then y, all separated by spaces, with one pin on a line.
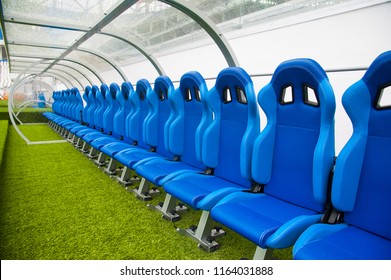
pixel 55 204
pixel 3 137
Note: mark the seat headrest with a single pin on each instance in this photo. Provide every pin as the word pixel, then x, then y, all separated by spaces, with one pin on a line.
pixel 114 88
pixel 195 82
pixel 126 89
pixel 142 87
pixel 104 90
pixel 162 87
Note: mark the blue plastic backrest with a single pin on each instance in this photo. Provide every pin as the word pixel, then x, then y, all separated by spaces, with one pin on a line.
pixel 119 116
pixel 294 154
pixel 140 104
pixel 72 103
pixel 78 109
pixel 188 119
pixel 92 112
pixel 88 97
pixel 101 98
pixel 159 112
pixel 55 101
pixel 127 91
pixel 68 94
pixel 88 104
pixel 228 141
pixel 362 179
pixel 111 109
pixel 63 102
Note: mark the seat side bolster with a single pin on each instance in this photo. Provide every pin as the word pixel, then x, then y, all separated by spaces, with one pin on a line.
pixel 288 233
pixel 315 232
pixel 208 202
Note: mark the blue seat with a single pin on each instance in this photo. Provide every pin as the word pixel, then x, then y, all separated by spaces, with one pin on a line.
pixel 291 161
pixel 110 119
pixel 181 131
pixel 85 116
pixel 104 115
pixel 151 129
pixel 134 122
pixel 122 126
pixel 93 113
pixel 361 187
pixel 226 150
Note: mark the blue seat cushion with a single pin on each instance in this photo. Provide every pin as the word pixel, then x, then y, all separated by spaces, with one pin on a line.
pixel 85 131
pixel 155 170
pixel 190 188
pixel 131 156
pixel 256 216
pixel 102 141
pixel 89 137
pixel 115 147
pixel 346 244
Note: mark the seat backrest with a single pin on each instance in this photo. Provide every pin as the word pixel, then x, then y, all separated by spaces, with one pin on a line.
pixel 68 102
pixel 119 116
pixel 78 108
pixel 72 104
pixel 88 98
pixel 92 112
pixel 111 109
pixel 127 91
pixel 101 98
pixel 294 154
pixel 56 101
pixel 228 141
pixel 159 112
pixel 188 119
pixel 362 178
pixel 62 97
pixel 141 108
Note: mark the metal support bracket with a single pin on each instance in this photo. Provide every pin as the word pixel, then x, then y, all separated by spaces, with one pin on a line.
pixel 169 208
pixel 263 254
pixel 204 234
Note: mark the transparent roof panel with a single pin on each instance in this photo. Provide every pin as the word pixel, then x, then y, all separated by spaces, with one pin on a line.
pixel 236 14
pixel 82 69
pixel 89 59
pixel 36 52
pixel 40 35
pixel 117 50
pixel 75 12
pixel 72 72
pixel 156 26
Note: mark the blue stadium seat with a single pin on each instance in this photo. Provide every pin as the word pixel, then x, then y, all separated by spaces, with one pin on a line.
pixel 361 188
pixel 180 133
pixel 291 161
pixel 226 150
pixel 152 129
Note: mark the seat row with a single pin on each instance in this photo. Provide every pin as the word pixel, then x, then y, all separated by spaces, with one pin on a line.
pixel 279 187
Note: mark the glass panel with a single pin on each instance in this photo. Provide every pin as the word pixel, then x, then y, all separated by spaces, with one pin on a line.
pixel 156 25
pixel 118 50
pixel 98 64
pixel 89 59
pixel 82 13
pixel 36 34
pixel 74 73
pixel 82 69
pixel 37 52
pixel 236 14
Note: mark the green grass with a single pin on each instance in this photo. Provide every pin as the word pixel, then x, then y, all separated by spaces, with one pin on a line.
pixel 55 204
pixel 3 137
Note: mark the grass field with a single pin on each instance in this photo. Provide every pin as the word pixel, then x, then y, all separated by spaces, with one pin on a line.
pixel 55 204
